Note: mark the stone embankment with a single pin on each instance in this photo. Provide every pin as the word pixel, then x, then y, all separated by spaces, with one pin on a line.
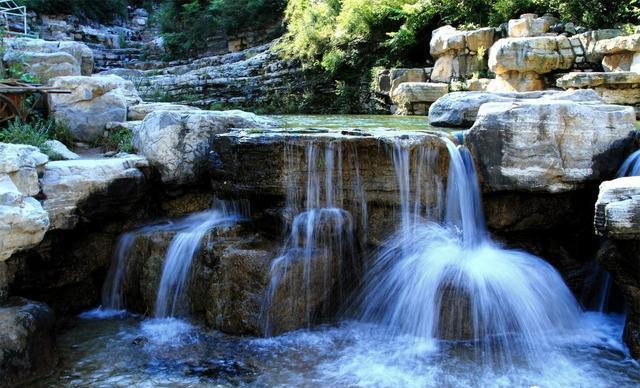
pixel 528 54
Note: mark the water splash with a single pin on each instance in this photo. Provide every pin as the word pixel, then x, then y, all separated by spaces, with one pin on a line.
pixel 448 280
pixel 321 243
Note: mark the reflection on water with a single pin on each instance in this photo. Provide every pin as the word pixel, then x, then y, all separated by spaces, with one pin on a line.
pixel 411 123
pixel 133 351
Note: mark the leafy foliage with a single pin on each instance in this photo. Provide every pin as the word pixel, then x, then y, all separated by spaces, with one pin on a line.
pixel 187 25
pixel 118 139
pixel 336 34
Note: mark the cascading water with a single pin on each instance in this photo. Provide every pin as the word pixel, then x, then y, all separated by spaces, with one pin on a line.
pixel 189 232
pixel 449 280
pixel 171 298
pixel 631 165
pixel 321 241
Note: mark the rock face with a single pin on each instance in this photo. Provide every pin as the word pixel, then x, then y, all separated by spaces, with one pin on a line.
pixel 59 151
pixel 82 190
pixel 553 146
pixel 529 25
pixel 614 88
pixel 459 53
pixel 26 341
pixel 47 59
pixel 618 209
pixel 618 218
pixel 93 102
pixel 416 97
pixel 23 222
pixel 140 111
pixel 520 62
pixel 253 76
pixel 176 143
pixel 460 109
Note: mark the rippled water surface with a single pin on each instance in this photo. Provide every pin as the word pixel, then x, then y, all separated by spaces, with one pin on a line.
pixel 107 350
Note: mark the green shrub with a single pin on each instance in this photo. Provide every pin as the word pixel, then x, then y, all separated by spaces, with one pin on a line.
pixel 35 133
pixel 117 140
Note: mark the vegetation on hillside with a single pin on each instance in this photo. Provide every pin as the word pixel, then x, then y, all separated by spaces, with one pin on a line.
pixel 340 34
pixel 187 25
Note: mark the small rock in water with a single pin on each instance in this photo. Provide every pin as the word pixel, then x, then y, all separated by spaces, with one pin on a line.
pixel 140 340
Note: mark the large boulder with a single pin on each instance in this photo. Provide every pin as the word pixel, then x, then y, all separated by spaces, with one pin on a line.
pixel 530 25
pixel 416 97
pixel 26 341
pixel 549 145
pixel 23 222
pixel 47 59
pixel 618 219
pixel 400 75
pixel 520 62
pixel 459 54
pixel 93 102
pixel 618 209
pixel 614 88
pixel 177 143
pixel 460 109
pixel 85 189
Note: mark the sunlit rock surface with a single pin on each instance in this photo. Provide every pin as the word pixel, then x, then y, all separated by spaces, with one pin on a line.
pixel 618 209
pixel 140 111
pixel 93 102
pixel 460 109
pixel 23 222
pixel 621 87
pixel 176 143
pixel 48 59
pixel 549 145
pixel 81 190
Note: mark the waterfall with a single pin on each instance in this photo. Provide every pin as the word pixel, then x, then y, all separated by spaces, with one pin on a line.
pixel 631 165
pixel 448 280
pixel 171 299
pixel 320 244
pixel 189 232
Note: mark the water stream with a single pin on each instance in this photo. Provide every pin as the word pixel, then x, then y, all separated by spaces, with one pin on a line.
pixel 440 303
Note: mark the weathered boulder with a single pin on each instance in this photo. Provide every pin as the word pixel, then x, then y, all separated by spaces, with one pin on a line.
pixel 587 42
pixel 549 145
pixel 618 209
pixel 519 62
pixel 530 25
pixel 459 53
pixel 43 66
pixel 45 58
pixel 93 102
pixel 79 190
pixel 460 109
pixel 26 341
pixel 58 151
pixel 176 143
pixel 415 97
pixel 23 222
pixel 22 163
pixel 617 45
pixel 140 111
pixel 401 75
pixel 614 88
